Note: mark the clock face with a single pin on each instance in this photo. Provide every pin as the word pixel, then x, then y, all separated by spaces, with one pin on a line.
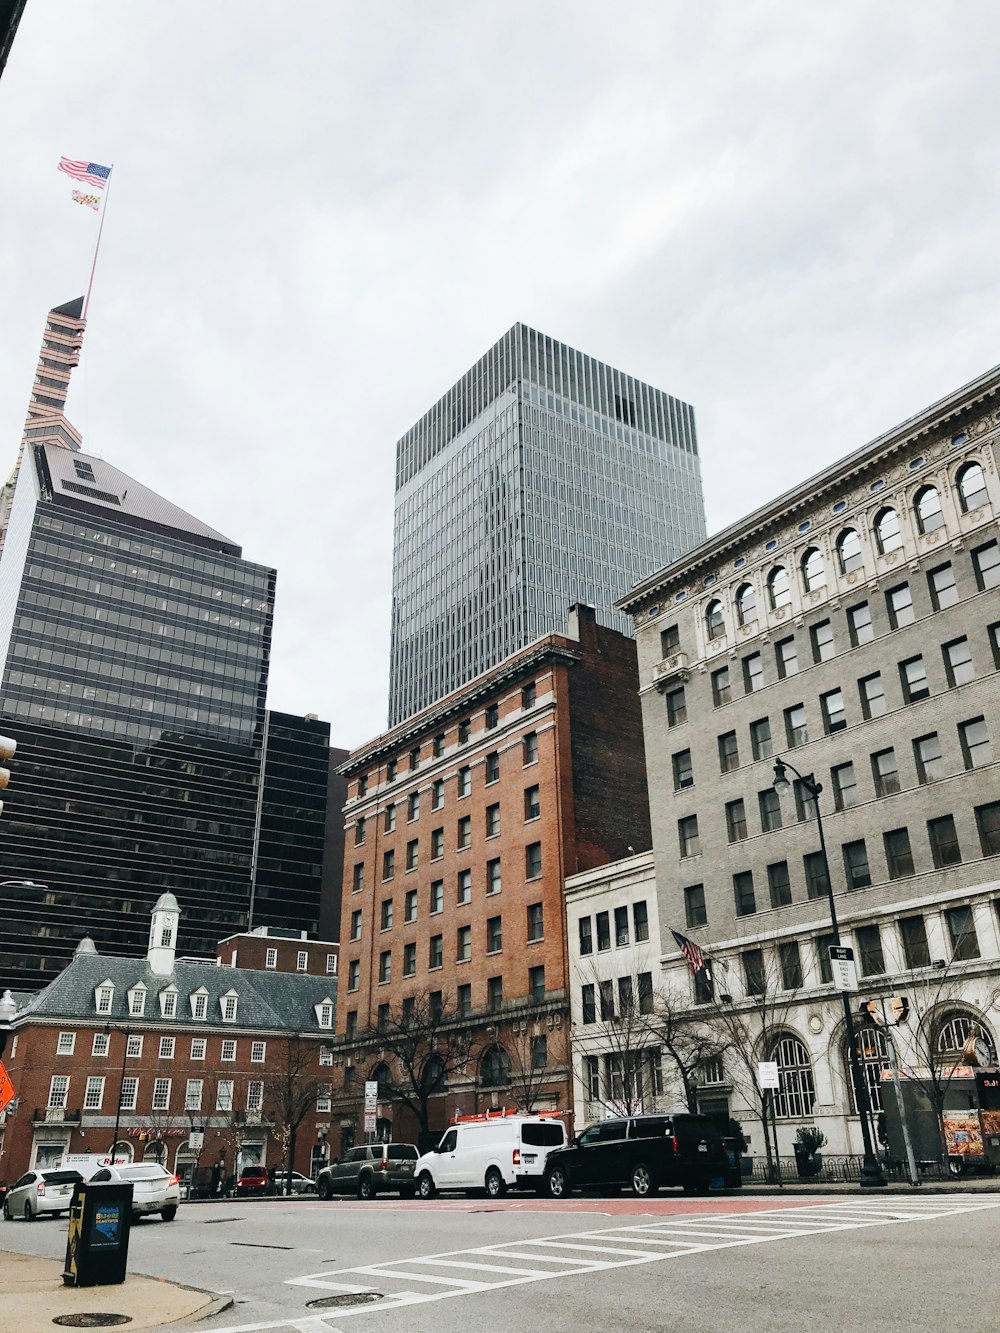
pixel 981 1051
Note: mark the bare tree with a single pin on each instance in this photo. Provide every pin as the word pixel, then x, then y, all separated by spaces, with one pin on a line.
pixel 533 1050
pixel 690 1041
pixel 290 1093
pixel 627 1036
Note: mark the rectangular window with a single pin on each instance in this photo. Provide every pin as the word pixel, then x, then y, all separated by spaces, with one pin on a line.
pixel 760 738
pixel 464 837
pixel 66 1043
pixel 823 943
pixel 412 854
pixel 913 678
pixel 943 590
pixel 626 999
pixel 786 657
pixel 494 993
pixel 986 563
pixel 437 896
pixel 778 884
pixel 385 919
pixel 988 824
pixel 871 962
pixel 198 1048
pixel 676 707
pixel 438 745
pixel 130 1093
pixel 695 912
pixel 255 1095
pixel 670 641
pixel 885 772
pixel 388 864
pixel 161 1094
pixel 529 694
pixel 859 624
pixel 464 731
pixel 464 781
pixel 817 876
pixel 928 758
pixel 391 769
pixel 753 971
pixel 621 927
pixel 437 794
pixel 944 841
pixel 363 785
pixel 845 787
pixel 770 810
pixel 736 820
pixel 680 763
pixel 228 1050
pixel 101 1044
pixel 703 986
pixel 795 725
pixel 916 951
pixel 722 690
pixel 492 767
pixel 606 993
pixel 389 817
pixel 356 924
pixel 358 878
pixel 437 844
pixel 529 749
pixel 382 1017
pixel 58 1090
pixel 409 907
pixel 464 887
pixel 532 803
pixel 385 967
pixel 167 1046
pixel 975 739
pixel 729 754
pixel 492 716
pixel 192 1094
pixel 603 931
pixel 821 637
pixel 872 692
pixel 962 932
pixel 834 713
pixel 533 860
pixel 958 662
pixel 494 934
pixel 856 869
pixel 359 831
pixel 409 959
pixel 493 820
pixel 585 927
pixel 588 1003
pixel 353 974
pixel 94 1094
pixel 805 807
pixel 687 835
pixel 746 901
pixel 644 985
pixel 536 923
pixel 898 856
pixel 271 958
pixel 899 604
pixel 463 943
pixel 790 962
pixel 493 875
pixel 753 673
pixel 435 952
pixel 464 999
pixel 412 807
pixel 640 922
pixel 536 983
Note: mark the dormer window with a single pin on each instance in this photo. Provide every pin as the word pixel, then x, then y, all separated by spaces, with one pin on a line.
pixel 168 1002
pixel 228 1003
pixel 104 996
pixel 137 1001
pixel 199 1004
pixel 324 1013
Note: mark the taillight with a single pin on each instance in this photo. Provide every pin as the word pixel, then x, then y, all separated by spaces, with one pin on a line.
pixel 517 1156
pixel 175 1180
pixel 41 1187
pixel 675 1146
pixel 385 1162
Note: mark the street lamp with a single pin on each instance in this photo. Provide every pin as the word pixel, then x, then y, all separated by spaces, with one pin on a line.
pixel 871 1171
pixel 121 1085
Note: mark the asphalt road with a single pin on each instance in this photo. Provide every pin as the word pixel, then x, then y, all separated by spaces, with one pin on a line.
pixel 806 1265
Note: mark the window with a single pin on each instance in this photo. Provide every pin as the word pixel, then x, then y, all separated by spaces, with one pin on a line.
pixel 356 924
pixel 856 869
pixel 532 803
pixel 388 864
pixel 779 588
pixel 494 993
pixel 536 983
pixel 105 994
pixel 913 678
pixel 928 758
pixel 760 738
pixel 817 875
pixel 492 767
pixel 736 820
pixel 986 561
pixel 533 860
pixel 536 923
pixel 385 967
pixel 994 633
pixel 464 731
pixel 859 624
pixel 137 1001
pixel 703 986
pixel 437 844
pixel 437 794
pixel 916 951
pixel 493 884
pixel 606 992
pixel 412 807
pixel 161 1094
pixel 621 927
pixel 464 832
pixel 385 918
pixel 975 739
pixel 255 1095
pixel 821 638
pixel 834 713
pixel 729 755
pixel 66 1043
pixel 887 534
pixel 786 658
pixel 753 673
pixel 382 1018
pixel 588 1003
pixel 324 1093
pixel 872 692
pixel 353 974
pixel 805 804
pixel 391 769
pixel 435 952
pixel 670 640
pixel 962 933
pixel 795 725
pixel 958 661
pixel 746 604
pixel 721 688
pixel 972 491
pixel 463 997
pixel 437 896
pixel 871 962
pixel 942 587
pixel 845 787
pixel 687 835
pixel 129 1094
pixel 192 1094
pixel 409 914
pixel 492 716
pixel 198 1048
pixel 746 901
pixel 199 1003
pixel 58 1090
pixel 927 507
pixel 493 820
pixel 271 958
pixel 695 912
pixel 586 935
pixel 464 780
pixel 796 1095
pixel 437 746
pixel 389 817
pixel 644 985
pixel 168 1003
pixel 813 570
pixel 676 707
pixel 529 693
pixel 823 944
pixel 167 1046
pixel 603 931
pixel 359 831
pixel 324 1014
pixel 626 999
pixel 409 959
pixel 358 879
pixel 228 1050
pixel 363 785
pixel 640 922
pixel 715 625
pixel 790 962
pixel 529 748
pixel 899 604
pixel 753 971
pixel 681 765
pixel 778 884
pixel 464 887
pixel 494 934
pixel 988 824
pixel 770 810
pixel 849 551
pixel 944 841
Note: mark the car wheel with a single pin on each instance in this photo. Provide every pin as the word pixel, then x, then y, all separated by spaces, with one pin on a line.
pixel 557 1183
pixel 169 1213
pixel 7 1215
pixel 407 1191
pixel 366 1188
pixel 425 1185
pixel 57 1213
pixel 29 1212
pixel 642 1181
pixel 495 1186
pixel 325 1190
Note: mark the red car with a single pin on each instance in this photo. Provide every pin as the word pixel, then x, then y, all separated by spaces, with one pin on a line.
pixel 253 1180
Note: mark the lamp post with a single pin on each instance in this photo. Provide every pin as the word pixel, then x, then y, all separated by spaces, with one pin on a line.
pixel 871 1171
pixel 121 1085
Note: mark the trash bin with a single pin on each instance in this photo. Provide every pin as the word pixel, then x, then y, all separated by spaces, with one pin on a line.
pixel 97 1243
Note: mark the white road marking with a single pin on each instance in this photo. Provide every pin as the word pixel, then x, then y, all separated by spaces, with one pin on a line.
pixel 683 1235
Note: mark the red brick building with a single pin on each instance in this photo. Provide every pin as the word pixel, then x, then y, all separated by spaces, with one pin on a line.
pixel 146 1052
pixel 461 825
pixel 269 949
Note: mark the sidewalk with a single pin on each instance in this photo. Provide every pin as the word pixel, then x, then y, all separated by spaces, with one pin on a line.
pixel 977 1185
pixel 32 1295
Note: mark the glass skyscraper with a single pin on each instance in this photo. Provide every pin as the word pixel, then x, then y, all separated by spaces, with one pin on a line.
pixel 541 479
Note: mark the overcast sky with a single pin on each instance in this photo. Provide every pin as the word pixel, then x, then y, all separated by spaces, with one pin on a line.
pixel 323 212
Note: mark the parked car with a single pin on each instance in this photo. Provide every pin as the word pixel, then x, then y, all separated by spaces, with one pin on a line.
pixel 371 1170
pixel 495 1153
pixel 300 1184
pixel 154 1189
pixel 253 1180
pixel 643 1152
pixel 48 1190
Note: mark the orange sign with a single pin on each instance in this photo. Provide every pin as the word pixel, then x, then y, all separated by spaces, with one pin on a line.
pixel 6 1088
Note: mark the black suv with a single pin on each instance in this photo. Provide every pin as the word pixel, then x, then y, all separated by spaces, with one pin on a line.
pixel 644 1152
pixel 369 1170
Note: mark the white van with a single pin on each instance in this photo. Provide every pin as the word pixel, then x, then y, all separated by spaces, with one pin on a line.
pixel 494 1153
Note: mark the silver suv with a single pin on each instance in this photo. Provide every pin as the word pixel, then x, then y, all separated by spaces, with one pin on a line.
pixel 369 1170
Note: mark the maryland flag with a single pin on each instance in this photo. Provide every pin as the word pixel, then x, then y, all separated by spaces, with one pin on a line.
pixel 88 200
pixel 6 1089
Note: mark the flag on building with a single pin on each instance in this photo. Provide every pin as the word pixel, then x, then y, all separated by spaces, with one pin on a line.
pixel 91 173
pixel 695 955
pixel 88 200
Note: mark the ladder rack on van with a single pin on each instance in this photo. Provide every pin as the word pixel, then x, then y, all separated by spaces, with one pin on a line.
pixel 503 1113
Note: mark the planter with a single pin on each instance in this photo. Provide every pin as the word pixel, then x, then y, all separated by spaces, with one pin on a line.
pixel 808 1163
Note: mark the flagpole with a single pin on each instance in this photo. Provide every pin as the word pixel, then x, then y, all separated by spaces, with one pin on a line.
pixel 97 247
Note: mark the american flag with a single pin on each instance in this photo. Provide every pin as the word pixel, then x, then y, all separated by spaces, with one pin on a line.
pixel 691 951
pixel 91 173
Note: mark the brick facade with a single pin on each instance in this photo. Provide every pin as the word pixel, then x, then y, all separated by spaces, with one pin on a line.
pixel 267 949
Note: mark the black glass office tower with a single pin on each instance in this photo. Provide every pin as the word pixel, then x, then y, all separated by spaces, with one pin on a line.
pixel 135 643
pixel 541 479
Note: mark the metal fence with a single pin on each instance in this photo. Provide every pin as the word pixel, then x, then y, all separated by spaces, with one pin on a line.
pixel 835 1170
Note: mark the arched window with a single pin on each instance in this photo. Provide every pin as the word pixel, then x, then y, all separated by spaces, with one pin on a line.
pixel 779 587
pixel 874 1058
pixel 972 487
pixel 887 533
pixel 954 1031
pixel 813 570
pixel 796 1095
pixel 494 1068
pixel 432 1075
pixel 714 622
pixel 746 604
pixel 380 1075
pixel 849 550
pixel 927 504
pixel 155 1151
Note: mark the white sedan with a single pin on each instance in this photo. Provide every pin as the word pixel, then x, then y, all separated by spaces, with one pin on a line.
pixel 154 1190
pixel 46 1190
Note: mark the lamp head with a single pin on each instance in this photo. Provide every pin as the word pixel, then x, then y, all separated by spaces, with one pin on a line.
pixel 781 783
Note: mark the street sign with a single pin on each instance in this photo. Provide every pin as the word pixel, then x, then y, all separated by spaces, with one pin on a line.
pixel 767 1075
pixel 370 1119
pixel 371 1096
pixel 845 974
pixel 196 1140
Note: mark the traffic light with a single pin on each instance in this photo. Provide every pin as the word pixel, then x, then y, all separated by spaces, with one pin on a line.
pixel 869 1011
pixel 8 749
pixel 899 1007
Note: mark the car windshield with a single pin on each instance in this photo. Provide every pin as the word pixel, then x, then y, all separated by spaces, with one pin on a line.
pixel 542 1136
pixel 402 1152
pixel 60 1177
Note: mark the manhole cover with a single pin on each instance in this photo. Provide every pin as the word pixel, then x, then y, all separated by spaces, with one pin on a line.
pixel 92 1320
pixel 347 1298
